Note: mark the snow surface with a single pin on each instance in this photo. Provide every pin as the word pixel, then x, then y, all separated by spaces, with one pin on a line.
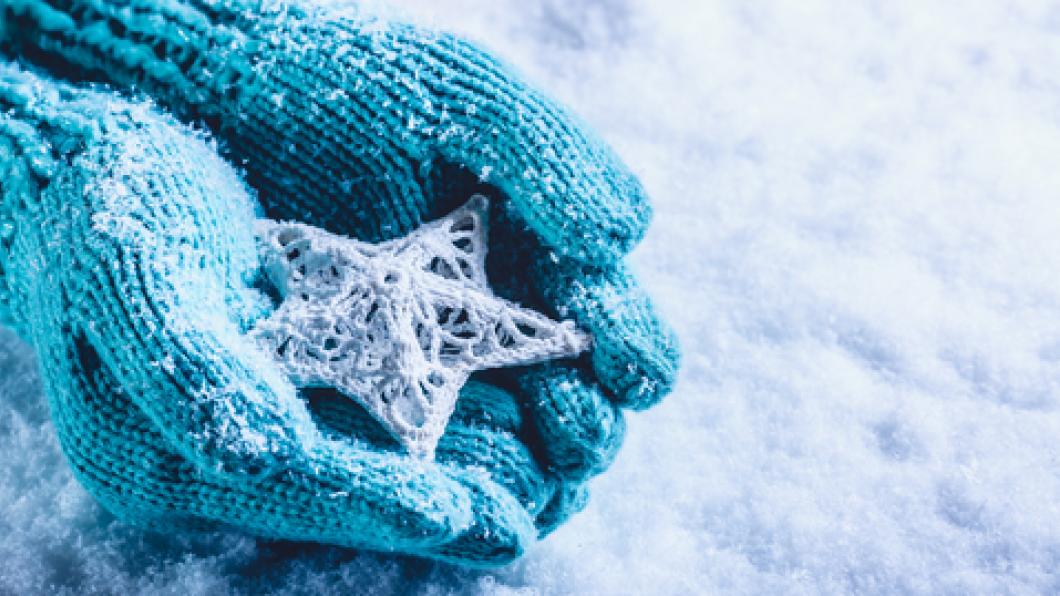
pixel 858 237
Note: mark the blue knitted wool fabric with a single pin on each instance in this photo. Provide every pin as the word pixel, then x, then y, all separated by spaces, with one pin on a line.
pixel 364 128
pixel 128 268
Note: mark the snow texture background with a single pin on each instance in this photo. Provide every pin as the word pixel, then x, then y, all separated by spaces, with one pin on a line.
pixel 858 237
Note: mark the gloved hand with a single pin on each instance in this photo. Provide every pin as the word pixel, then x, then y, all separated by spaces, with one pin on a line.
pixel 128 260
pixel 320 103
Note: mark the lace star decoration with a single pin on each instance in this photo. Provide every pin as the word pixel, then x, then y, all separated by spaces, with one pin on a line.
pixel 398 326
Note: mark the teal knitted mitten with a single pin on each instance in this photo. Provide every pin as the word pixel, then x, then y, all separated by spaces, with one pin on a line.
pixel 369 128
pixel 127 261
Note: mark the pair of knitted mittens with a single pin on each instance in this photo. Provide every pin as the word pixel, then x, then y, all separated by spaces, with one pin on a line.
pixel 128 261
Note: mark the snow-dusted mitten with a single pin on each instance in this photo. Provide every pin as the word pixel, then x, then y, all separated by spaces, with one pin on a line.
pixel 369 128
pixel 127 260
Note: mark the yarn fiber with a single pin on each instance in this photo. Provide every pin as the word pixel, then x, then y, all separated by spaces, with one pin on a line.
pixel 127 261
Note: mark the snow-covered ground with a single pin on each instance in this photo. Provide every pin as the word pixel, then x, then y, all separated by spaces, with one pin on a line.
pixel 858 238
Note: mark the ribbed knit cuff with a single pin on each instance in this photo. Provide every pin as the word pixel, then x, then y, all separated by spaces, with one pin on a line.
pixel 191 55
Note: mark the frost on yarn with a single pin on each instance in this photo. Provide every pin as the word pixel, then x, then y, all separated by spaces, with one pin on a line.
pixel 399 326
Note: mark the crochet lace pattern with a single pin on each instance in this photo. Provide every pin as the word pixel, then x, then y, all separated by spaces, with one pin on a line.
pixel 399 326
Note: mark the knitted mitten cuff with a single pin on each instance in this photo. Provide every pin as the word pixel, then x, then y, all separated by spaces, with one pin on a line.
pixel 186 52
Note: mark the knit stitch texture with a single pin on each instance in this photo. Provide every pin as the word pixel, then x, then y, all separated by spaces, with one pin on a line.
pixel 127 260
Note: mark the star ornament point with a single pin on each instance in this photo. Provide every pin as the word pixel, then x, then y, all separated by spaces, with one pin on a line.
pixel 398 326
